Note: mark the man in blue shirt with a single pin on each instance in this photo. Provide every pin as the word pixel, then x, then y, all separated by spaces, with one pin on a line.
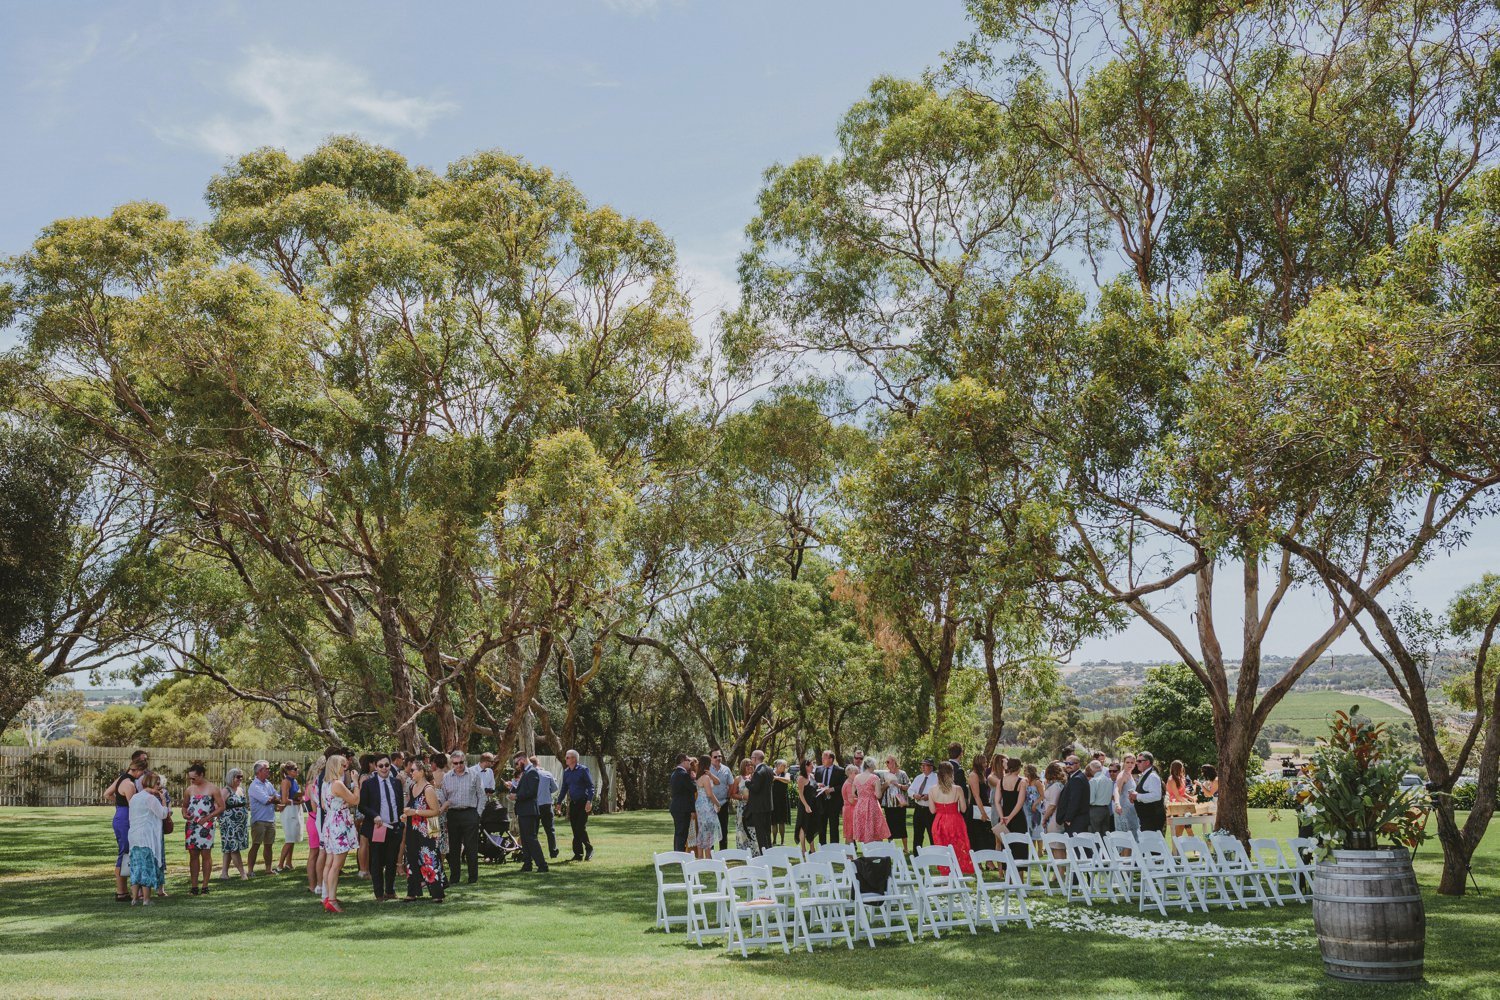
pixel 263 802
pixel 578 795
pixel 546 791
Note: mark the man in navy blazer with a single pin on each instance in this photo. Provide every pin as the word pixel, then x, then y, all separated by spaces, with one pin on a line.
pixel 1073 802
pixel 380 805
pixel 683 800
pixel 529 813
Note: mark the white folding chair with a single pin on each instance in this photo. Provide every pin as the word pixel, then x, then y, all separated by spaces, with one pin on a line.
pixel 877 914
pixel 786 855
pixel 1298 855
pixel 1001 888
pixel 827 852
pixel 946 856
pixel 752 902
pixel 1054 861
pixel 667 886
pixel 1121 847
pixel 1154 839
pixel 1194 857
pixel 902 879
pixel 708 899
pixel 1269 860
pixel 1091 865
pixel 1023 855
pixel 732 855
pixel 1244 879
pixel 1163 883
pixel 822 911
pixel 943 900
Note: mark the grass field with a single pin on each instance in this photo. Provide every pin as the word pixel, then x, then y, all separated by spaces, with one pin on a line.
pixel 586 930
pixel 1309 712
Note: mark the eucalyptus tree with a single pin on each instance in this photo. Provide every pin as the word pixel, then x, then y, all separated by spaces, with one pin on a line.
pixel 333 383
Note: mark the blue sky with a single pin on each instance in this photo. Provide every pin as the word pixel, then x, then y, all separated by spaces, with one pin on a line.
pixel 668 109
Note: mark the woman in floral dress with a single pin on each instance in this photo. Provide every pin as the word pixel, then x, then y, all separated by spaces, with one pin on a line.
pixel 340 835
pixel 707 811
pixel 739 790
pixel 202 802
pixel 423 865
pixel 234 824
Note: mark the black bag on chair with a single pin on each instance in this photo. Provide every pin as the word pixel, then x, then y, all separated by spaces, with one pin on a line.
pixel 873 875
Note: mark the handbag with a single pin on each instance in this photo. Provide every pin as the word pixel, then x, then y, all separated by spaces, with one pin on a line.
pixel 166 825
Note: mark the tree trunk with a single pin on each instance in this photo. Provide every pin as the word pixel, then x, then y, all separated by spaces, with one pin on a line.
pixel 395 655
pixel 1233 815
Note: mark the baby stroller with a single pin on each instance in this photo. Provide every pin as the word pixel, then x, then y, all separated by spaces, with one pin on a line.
pixel 495 842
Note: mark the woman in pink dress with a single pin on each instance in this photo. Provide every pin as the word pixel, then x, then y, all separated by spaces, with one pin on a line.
pixel 948 826
pixel 848 815
pixel 867 820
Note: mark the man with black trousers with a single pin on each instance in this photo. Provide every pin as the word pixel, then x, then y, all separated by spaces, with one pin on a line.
pixel 758 800
pixel 830 798
pixel 380 805
pixel 465 795
pixel 681 803
pixel 529 813
pixel 577 795
pixel 921 810
pixel 1073 803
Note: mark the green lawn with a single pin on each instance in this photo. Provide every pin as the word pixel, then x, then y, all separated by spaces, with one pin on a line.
pixel 1310 711
pixel 586 930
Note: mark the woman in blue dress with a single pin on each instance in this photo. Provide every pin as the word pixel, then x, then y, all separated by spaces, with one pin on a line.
pixel 708 811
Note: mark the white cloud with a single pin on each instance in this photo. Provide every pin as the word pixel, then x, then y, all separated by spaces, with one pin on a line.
pixel 55 64
pixel 295 100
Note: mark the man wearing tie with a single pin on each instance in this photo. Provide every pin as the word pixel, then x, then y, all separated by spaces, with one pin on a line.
pixel 921 813
pixel 380 805
pixel 758 800
pixel 529 812
pixel 830 798
pixel 682 803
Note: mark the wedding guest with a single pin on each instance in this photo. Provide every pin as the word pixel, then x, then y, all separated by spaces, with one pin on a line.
pixel 920 793
pixel 263 803
pixel 1125 817
pixel 739 793
pixel 546 797
pixel 893 800
pixel 1208 784
pixel 976 781
pixel 708 809
pixel 723 777
pixel 148 810
pixel 1008 802
pixel 528 811
pixel 486 773
pixel 830 798
pixel 948 826
pixel 806 828
pixel 465 797
pixel 1101 797
pixel 1073 803
pixel 758 800
pixel 1147 796
pixel 439 762
pixel 292 829
pixel 846 792
pixel 781 813
pixel 577 797
pixel 365 769
pixel 682 802
pixel 423 865
pixel 1034 789
pixel 380 809
pixel 867 822
pixel 234 825
pixel 119 792
pixel 1055 776
pixel 311 806
pixel 1179 789
pixel 340 834
pixel 202 802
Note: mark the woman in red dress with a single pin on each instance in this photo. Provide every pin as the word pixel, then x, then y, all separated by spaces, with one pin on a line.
pixel 948 826
pixel 848 814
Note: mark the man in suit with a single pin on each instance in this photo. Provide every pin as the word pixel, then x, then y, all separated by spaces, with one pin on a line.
pixel 681 803
pixel 758 800
pixel 830 798
pixel 1073 803
pixel 380 804
pixel 529 813
pixel 921 812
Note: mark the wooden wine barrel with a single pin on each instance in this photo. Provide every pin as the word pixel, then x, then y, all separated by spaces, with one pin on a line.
pixel 1369 916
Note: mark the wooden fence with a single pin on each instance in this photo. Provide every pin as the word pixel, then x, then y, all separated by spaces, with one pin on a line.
pixel 76 776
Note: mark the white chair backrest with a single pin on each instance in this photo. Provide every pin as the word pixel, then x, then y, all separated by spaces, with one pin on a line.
pixel 833 850
pixel 667 859
pixel 814 878
pixel 1299 848
pixel 1154 839
pixel 785 855
pixel 1192 852
pixel 1119 845
pixel 752 879
pixel 944 853
pixel 936 869
pixel 732 854
pixel 1017 840
pixel 1267 852
pixel 1229 849
pixel 982 858
pixel 704 875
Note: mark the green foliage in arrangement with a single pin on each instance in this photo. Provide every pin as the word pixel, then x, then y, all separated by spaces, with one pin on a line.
pixel 1355 792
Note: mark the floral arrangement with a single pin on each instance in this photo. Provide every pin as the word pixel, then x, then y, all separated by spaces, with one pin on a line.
pixel 1354 793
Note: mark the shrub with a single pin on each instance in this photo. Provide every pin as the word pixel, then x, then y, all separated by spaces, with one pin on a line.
pixel 1464 795
pixel 1274 793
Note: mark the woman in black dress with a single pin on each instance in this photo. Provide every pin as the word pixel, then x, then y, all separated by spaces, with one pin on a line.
pixel 781 813
pixel 980 837
pixel 806 788
pixel 1010 817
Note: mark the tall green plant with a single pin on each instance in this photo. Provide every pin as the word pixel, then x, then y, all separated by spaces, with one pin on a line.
pixel 1355 793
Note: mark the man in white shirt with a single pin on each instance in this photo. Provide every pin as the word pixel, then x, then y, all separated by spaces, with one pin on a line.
pixel 921 815
pixel 1148 793
pixel 722 777
pixel 487 774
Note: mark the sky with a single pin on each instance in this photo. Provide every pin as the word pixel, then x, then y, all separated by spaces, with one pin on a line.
pixel 666 109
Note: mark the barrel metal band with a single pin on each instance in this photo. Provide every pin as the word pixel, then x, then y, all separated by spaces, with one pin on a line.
pixel 1366 899
pixel 1373 965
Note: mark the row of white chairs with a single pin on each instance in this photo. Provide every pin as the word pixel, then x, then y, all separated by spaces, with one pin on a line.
pixel 779 899
pixel 1190 873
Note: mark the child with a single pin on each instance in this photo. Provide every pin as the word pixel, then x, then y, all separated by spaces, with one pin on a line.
pixel 148 808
